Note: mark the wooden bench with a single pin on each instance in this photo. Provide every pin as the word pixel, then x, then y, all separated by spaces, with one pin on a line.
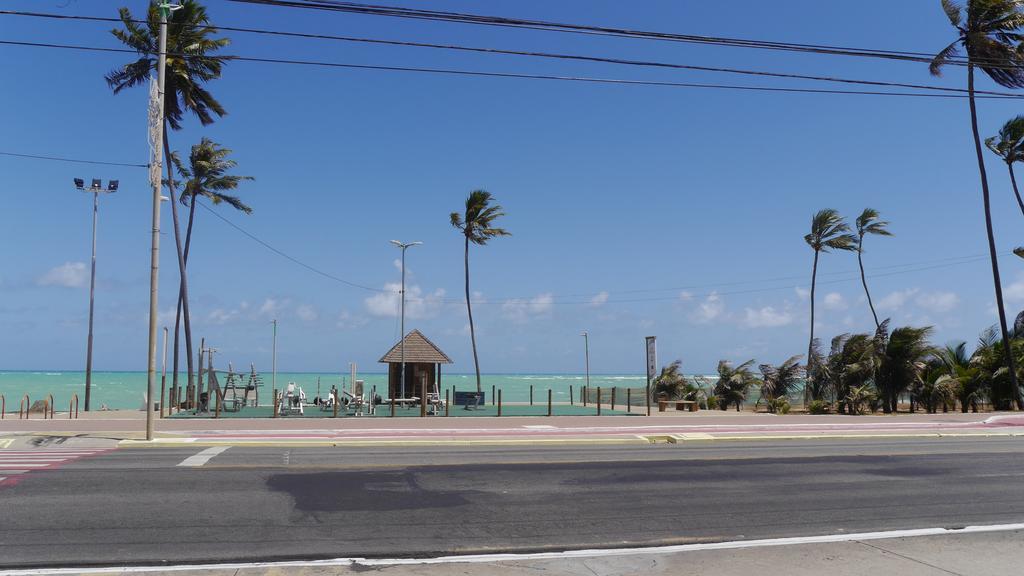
pixel 687 405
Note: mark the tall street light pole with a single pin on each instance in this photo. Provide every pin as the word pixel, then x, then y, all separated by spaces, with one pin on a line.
pixel 586 352
pixel 95 188
pixel 404 247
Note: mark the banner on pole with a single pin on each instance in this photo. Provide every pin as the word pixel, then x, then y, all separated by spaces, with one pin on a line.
pixel 652 357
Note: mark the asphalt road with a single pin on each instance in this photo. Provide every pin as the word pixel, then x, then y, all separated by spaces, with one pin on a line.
pixel 133 506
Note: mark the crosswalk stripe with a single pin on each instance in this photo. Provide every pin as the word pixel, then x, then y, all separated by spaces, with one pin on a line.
pixel 16 463
pixel 10 472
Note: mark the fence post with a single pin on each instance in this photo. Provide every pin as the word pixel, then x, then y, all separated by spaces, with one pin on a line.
pixel 614 388
pixel 3 406
pixel 335 403
pixel 216 409
pixel 571 399
pixel 629 400
pixel 273 391
pixel 73 404
pixel 492 395
pixel 391 391
pixel 447 402
pixel 27 403
pixel 499 402
pixel 598 400
pixel 423 398
pixel 531 394
pixel 583 395
pixel 549 401
pixel 49 405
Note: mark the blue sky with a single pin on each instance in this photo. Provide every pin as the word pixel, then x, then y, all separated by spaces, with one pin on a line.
pixel 635 210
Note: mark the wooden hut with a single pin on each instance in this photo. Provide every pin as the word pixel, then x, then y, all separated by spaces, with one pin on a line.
pixel 423 360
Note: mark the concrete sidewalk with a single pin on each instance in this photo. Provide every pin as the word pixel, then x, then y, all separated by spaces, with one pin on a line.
pixel 128 426
pixel 970 554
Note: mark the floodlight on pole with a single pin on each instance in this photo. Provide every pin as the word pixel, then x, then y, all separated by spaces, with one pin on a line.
pixel 95 189
pixel 403 246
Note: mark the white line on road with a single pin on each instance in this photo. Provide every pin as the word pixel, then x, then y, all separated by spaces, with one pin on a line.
pixel 484 558
pixel 202 457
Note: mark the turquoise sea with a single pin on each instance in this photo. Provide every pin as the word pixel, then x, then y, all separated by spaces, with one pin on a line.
pixel 126 390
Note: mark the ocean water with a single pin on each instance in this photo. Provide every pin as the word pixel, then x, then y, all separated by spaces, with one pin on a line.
pixel 126 390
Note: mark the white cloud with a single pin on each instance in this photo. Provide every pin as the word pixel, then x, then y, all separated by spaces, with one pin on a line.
pixel 685 296
pixel 273 307
pixel 835 301
pixel 520 310
pixel 599 299
pixel 712 307
pixel 896 300
pixel 221 316
pixel 766 317
pixel 1014 292
pixel 347 321
pixel 937 302
pixel 306 313
pixel 68 275
pixel 417 305
pixel 802 293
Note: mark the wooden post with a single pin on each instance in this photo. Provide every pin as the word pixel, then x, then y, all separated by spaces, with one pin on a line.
pixel 549 401
pixel 613 397
pixel 492 395
pixel 49 404
pixel 3 406
pixel 447 402
pixel 598 400
pixel 335 403
pixel 423 397
pixel 216 394
pixel 571 399
pixel 391 391
pixel 531 394
pixel 629 400
pixel 499 402
pixel 273 392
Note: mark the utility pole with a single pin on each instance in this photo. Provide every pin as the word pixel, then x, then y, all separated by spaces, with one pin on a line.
pixel 404 247
pixel 586 352
pixel 95 188
pixel 273 381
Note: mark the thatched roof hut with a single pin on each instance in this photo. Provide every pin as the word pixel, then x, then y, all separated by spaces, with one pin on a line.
pixel 423 360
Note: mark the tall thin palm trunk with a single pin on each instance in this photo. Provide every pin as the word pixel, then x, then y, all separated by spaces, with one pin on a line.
pixel 864 281
pixel 472 330
pixel 183 286
pixel 810 343
pixel 1015 391
pixel 177 312
pixel 1016 192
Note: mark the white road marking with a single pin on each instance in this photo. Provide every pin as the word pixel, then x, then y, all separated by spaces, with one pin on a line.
pixel 485 558
pixel 202 457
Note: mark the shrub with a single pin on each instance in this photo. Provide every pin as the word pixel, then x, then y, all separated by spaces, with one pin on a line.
pixel 712 402
pixel 778 406
pixel 817 407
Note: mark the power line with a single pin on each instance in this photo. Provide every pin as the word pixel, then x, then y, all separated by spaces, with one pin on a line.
pixel 309 267
pixel 501 21
pixel 583 79
pixel 547 55
pixel 58 159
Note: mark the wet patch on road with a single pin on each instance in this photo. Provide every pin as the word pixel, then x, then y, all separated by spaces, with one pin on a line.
pixel 362 491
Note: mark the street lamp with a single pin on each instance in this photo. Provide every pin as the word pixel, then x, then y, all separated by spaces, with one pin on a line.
pixel 96 187
pixel 586 352
pixel 404 247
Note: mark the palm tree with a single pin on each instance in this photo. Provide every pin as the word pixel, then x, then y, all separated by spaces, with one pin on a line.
pixel 778 382
pixel 988 32
pixel 1009 145
pixel 477 225
pixel 902 363
pixel 733 383
pixel 190 63
pixel 828 232
pixel 869 223
pixel 671 381
pixel 971 385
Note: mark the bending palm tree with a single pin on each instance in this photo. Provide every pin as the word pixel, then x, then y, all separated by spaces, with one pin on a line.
pixel 988 32
pixel 477 225
pixel 189 64
pixel 1009 146
pixel 868 223
pixel 207 176
pixel 828 232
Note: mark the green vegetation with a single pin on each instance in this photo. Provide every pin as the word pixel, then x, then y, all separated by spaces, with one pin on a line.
pixel 734 383
pixel 988 31
pixel 477 225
